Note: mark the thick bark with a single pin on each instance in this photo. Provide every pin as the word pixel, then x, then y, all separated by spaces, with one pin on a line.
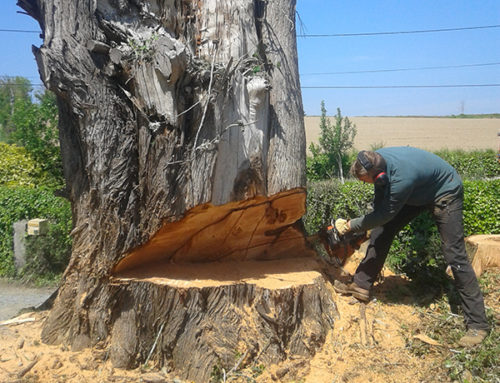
pixel 182 139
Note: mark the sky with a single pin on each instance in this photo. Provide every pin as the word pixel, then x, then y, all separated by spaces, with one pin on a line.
pixel 399 51
pixel 472 56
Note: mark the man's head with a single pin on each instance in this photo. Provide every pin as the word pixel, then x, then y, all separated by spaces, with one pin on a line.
pixel 368 166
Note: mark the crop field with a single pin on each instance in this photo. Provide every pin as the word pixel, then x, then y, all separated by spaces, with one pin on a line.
pixel 431 133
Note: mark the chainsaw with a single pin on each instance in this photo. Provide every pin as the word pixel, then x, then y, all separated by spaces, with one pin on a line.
pixel 339 247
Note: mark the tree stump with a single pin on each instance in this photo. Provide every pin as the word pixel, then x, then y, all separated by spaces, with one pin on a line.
pixel 483 251
pixel 210 313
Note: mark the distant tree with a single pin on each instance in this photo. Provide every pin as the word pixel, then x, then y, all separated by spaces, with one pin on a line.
pixel 33 125
pixel 335 142
pixel 12 90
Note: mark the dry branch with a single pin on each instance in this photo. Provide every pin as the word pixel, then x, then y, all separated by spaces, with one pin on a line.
pixel 26 369
pixel 15 321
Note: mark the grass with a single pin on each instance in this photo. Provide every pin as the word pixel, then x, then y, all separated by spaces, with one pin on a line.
pixel 50 279
pixel 32 280
pixel 238 373
pixel 474 365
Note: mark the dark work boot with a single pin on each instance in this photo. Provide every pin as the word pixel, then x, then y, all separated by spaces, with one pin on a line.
pixel 352 289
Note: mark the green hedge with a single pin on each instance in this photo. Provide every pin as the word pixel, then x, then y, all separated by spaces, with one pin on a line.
pixel 416 250
pixel 331 199
pixel 26 192
pixel 478 164
pixel 482 207
pixel 19 168
pixel 52 252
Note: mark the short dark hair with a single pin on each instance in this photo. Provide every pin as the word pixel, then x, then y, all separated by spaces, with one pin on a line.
pixel 377 161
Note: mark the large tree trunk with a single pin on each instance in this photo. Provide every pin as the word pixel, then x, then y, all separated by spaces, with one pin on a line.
pixel 183 146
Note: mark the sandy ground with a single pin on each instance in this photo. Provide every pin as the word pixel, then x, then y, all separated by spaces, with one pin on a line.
pixel 423 132
pixel 368 344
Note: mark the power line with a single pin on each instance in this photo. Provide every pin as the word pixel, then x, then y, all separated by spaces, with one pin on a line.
pixel 364 71
pixel 400 86
pixel 339 34
pixel 19 31
pixel 402 69
pixel 348 72
pixel 398 32
pixel 353 86
pixel 18 84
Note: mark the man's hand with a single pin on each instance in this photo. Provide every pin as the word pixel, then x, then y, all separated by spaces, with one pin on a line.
pixel 342 226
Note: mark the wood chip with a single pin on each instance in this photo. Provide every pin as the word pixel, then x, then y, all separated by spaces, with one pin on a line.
pixel 20 343
pixel 424 338
pixel 16 321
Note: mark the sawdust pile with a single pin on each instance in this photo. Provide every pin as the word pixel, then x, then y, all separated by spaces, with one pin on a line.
pixel 368 344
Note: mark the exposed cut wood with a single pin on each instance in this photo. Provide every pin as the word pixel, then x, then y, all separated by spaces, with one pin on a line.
pixel 275 274
pixel 484 252
pixel 427 339
pixel 259 228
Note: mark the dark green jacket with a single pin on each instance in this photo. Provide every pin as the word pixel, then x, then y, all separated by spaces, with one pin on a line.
pixel 416 178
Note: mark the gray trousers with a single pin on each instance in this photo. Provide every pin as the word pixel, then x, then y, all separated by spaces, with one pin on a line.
pixel 449 220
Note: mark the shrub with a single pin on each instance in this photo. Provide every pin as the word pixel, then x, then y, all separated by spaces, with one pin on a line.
pixel 28 203
pixel 47 255
pixel 478 164
pixel 328 200
pixel 17 168
pixel 416 251
pixel 320 166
